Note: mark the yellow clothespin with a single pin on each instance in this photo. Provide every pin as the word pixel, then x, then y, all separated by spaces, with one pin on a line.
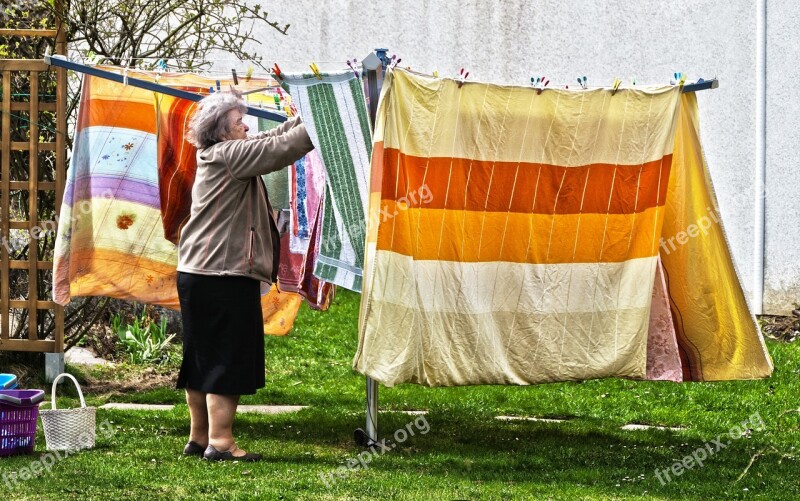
pixel 682 80
pixel 615 87
pixel 315 70
pixel 435 74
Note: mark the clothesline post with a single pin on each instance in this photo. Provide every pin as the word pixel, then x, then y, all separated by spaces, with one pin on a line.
pixel 374 67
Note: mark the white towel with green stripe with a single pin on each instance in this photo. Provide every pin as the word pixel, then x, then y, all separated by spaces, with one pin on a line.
pixel 335 114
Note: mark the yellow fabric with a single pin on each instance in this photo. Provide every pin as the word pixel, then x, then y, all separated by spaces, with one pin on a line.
pixel 718 335
pixel 458 296
pixel 554 285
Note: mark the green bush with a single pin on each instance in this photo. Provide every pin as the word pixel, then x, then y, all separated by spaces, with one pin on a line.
pixel 144 341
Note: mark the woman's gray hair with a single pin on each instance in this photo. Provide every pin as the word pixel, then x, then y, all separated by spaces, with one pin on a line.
pixel 209 124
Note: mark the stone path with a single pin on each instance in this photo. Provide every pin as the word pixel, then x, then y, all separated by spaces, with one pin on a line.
pixel 283 409
pixel 260 409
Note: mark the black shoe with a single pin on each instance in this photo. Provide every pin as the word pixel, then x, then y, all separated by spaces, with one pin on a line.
pixel 212 454
pixel 193 449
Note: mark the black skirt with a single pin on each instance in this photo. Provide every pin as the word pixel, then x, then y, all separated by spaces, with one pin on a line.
pixel 223 334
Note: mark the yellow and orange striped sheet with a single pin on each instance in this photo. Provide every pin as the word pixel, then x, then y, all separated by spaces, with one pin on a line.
pixel 513 236
pixel 111 233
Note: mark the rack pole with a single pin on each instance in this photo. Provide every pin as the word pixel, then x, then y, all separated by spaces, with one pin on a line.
pixel 63 62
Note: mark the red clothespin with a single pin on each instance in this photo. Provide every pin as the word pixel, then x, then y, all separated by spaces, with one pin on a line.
pixel 462 76
pixel 276 70
pixel 543 83
pixel 352 64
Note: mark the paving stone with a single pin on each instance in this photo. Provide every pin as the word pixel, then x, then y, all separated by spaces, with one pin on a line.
pixel 528 418
pixel 633 427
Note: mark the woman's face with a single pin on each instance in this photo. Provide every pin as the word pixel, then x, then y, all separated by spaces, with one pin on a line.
pixel 238 129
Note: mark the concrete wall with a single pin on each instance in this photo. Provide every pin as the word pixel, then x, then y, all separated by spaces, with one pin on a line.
pixel 511 40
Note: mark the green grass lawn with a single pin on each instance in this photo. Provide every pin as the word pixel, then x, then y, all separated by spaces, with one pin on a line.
pixel 466 452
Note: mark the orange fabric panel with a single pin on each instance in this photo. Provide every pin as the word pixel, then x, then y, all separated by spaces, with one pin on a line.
pixel 451 235
pixel 120 113
pixel 462 183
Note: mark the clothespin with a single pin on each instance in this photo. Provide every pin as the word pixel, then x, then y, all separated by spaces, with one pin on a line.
pixel 633 80
pixel 352 64
pixel 91 57
pixel 211 90
pixel 679 79
pixel 435 74
pixel 276 70
pixel 543 82
pixel 218 89
pixel 161 65
pixel 398 62
pixel 582 82
pixel 615 86
pixel 125 73
pixel 315 70
pixel 235 78
pixel 249 73
pixel 462 77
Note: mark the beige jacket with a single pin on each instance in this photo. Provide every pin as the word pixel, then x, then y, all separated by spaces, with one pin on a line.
pixel 231 229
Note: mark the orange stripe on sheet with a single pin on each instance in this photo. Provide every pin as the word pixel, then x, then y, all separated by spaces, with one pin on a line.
pixel 121 113
pixel 102 272
pixel 468 236
pixel 459 183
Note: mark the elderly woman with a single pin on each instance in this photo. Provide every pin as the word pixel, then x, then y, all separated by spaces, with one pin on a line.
pixel 227 247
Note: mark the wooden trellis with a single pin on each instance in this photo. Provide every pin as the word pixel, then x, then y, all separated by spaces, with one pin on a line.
pixel 22 136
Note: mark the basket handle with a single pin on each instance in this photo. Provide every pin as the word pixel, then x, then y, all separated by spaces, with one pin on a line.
pixel 55 384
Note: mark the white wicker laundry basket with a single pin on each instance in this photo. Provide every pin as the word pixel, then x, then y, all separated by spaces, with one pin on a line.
pixel 68 429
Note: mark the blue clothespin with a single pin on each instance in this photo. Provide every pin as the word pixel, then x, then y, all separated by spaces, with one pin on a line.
pixel 218 89
pixel 161 65
pixel 582 82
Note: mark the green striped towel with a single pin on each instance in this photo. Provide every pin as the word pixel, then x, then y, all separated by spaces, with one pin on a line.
pixel 335 115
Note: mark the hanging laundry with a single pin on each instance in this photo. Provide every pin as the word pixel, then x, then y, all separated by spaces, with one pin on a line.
pixel 110 239
pixel 127 194
pixel 663 360
pixel 335 114
pixel 717 334
pixel 514 237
